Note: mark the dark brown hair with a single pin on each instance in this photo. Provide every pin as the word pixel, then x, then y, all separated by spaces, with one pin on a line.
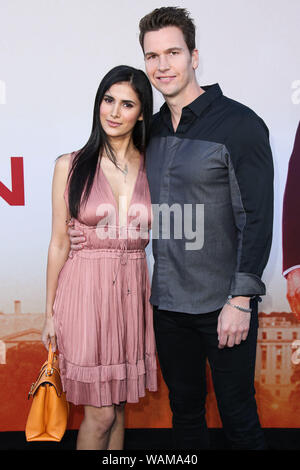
pixel 169 16
pixel 85 163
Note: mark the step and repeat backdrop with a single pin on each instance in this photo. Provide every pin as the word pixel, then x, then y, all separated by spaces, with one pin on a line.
pixel 53 55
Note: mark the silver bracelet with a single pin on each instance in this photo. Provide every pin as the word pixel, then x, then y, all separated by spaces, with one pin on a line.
pixel 249 310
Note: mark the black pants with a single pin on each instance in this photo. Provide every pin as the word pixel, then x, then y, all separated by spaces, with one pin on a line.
pixel 184 343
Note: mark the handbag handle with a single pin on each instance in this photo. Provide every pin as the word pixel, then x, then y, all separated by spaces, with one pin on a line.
pixel 49 369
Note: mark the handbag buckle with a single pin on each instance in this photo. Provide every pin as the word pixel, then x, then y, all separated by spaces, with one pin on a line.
pixel 48 372
pixel 31 390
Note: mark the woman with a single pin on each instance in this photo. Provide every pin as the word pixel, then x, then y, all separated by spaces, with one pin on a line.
pixel 97 302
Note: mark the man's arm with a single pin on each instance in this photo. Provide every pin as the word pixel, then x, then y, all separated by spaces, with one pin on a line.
pixel 290 211
pixel 291 228
pixel 251 180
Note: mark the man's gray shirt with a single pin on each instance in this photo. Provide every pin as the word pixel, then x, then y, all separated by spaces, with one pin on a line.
pixel 217 171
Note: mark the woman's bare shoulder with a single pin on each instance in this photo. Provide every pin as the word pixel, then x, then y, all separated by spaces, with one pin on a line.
pixel 64 160
pixel 61 169
pixel 62 163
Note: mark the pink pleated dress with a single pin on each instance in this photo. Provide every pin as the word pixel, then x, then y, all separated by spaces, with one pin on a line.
pixel 102 314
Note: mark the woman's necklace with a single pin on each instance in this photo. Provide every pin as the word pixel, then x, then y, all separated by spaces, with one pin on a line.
pixel 124 171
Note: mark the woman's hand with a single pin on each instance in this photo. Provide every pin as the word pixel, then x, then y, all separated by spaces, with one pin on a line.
pixel 48 333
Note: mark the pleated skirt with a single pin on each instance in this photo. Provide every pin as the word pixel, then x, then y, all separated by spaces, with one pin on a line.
pixel 104 328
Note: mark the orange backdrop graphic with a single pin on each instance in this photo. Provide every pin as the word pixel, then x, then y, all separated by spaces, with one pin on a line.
pixel 277 376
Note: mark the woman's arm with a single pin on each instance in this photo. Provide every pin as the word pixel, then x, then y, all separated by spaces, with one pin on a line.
pixel 59 245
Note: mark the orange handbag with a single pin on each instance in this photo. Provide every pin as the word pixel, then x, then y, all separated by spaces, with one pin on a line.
pixel 48 415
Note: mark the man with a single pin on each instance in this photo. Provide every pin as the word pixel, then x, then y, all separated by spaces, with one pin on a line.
pixel 208 150
pixel 291 229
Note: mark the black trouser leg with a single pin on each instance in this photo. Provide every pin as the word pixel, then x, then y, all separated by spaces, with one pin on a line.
pixel 184 341
pixel 182 363
pixel 233 371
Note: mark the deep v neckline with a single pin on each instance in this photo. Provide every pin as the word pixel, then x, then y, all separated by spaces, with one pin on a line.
pixel 133 191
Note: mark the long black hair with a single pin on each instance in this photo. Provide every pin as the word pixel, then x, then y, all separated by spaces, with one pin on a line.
pixel 82 172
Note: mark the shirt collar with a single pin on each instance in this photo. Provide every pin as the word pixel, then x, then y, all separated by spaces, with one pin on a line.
pixel 199 104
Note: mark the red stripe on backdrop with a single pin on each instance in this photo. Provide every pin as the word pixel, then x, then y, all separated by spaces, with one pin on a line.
pixel 15 196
